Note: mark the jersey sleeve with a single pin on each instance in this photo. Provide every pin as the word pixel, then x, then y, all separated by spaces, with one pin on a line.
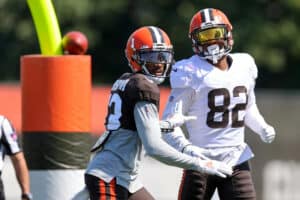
pixel 253 68
pixel 253 118
pixel 9 137
pixel 185 95
pixel 128 90
pixel 250 69
pixel 184 75
pixel 141 89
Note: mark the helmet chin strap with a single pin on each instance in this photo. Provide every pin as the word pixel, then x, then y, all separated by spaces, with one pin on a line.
pixel 156 80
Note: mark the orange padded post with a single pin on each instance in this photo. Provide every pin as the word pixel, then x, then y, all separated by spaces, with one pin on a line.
pixel 56 122
pixel 56 93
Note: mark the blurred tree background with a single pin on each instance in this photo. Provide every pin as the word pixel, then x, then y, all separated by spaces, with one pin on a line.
pixel 267 29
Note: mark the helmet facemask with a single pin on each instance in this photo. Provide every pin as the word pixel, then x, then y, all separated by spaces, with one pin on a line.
pixel 212 43
pixel 148 58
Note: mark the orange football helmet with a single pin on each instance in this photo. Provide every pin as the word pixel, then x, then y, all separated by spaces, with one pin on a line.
pixel 211 26
pixel 149 45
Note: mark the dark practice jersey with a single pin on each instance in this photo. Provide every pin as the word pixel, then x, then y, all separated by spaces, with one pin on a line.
pixel 129 89
pixel 132 122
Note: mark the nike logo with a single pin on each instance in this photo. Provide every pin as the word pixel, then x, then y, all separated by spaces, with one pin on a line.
pixel 174 70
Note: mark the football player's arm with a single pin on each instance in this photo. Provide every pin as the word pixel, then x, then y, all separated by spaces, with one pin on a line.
pixel 147 123
pixel 256 122
pixel 177 139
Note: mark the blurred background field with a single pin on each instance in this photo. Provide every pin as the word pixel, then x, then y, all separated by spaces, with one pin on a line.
pixel 267 29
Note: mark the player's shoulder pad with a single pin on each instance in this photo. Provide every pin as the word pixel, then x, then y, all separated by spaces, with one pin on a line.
pixel 186 73
pixel 246 61
pixel 141 88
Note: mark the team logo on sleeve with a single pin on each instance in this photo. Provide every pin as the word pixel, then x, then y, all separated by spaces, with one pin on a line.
pixel 14 136
pixel 171 98
pixel 146 109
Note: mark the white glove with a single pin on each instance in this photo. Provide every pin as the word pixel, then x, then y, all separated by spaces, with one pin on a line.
pixel 177 118
pixel 195 151
pixel 213 167
pixel 268 134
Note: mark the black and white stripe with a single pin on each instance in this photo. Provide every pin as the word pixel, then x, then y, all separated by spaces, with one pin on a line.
pixel 207 15
pixel 8 140
pixel 157 35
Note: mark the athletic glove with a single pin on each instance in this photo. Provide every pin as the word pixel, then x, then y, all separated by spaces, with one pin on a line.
pixel 213 167
pixel 268 134
pixel 26 196
pixel 177 118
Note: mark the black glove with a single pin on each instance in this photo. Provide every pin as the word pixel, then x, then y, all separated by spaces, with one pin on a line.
pixel 26 196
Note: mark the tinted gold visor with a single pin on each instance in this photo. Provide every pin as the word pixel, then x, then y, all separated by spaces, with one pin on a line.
pixel 210 34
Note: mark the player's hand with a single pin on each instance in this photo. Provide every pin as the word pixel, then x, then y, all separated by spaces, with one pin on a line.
pixel 213 167
pixel 26 196
pixel 268 134
pixel 195 151
pixel 177 118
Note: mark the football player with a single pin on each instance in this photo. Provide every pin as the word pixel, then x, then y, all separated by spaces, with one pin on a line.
pixel 217 87
pixel 133 120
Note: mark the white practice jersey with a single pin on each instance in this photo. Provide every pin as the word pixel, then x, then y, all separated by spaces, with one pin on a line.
pixel 219 99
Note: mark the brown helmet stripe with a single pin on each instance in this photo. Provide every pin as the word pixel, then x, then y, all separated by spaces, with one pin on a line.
pixel 207 15
pixel 161 34
pixel 202 14
pixel 157 35
pixel 210 14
